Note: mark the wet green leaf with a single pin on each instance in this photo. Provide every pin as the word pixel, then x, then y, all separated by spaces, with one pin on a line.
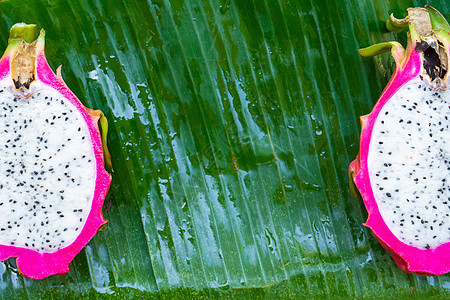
pixel 231 127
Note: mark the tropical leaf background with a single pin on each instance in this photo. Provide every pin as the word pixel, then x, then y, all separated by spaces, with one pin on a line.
pixel 232 127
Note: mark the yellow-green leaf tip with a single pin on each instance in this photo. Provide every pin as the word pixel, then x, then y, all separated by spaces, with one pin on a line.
pixel 22 31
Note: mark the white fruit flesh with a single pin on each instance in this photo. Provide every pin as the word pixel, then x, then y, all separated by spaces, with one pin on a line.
pixel 47 169
pixel 409 164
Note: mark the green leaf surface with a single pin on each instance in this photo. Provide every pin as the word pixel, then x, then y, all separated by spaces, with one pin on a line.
pixel 231 128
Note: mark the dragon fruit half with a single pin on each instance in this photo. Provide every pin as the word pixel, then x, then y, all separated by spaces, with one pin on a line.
pixel 52 176
pixel 403 167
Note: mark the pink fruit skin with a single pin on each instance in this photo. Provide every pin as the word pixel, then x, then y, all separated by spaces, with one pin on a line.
pixel 37 265
pixel 409 259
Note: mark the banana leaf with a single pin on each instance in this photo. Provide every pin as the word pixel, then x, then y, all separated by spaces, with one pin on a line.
pixel 232 125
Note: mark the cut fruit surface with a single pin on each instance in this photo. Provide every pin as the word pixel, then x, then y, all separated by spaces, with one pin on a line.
pixel 403 166
pixel 52 177
pixel 412 187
